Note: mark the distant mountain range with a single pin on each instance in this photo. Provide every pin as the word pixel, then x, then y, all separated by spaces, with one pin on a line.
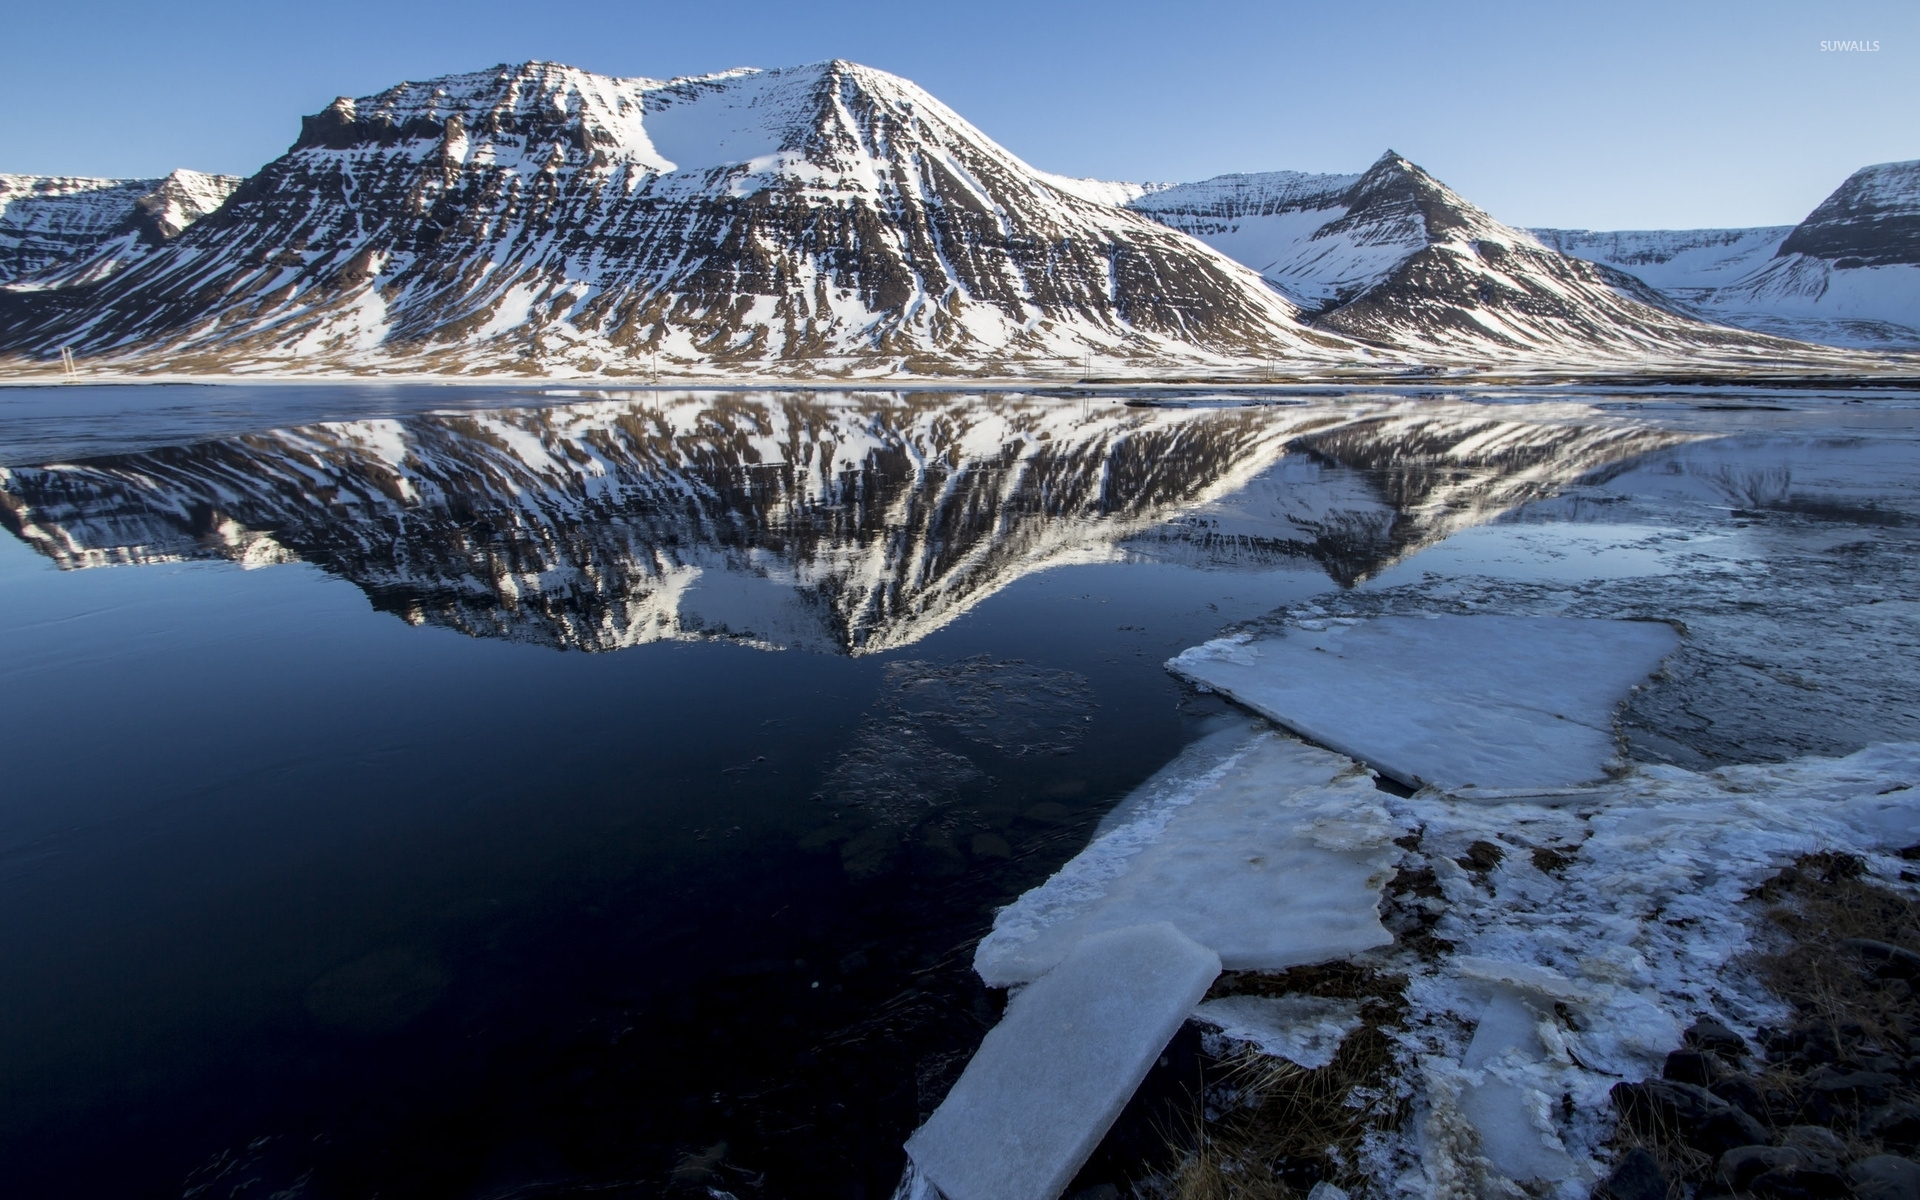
pixel 1848 275
pixel 834 219
pixel 59 231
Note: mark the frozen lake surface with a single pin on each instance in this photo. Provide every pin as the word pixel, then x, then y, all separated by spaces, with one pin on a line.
pixel 449 791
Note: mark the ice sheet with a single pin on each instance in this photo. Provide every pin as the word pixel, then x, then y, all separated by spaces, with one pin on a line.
pixel 1306 1030
pixel 1272 857
pixel 1458 701
pixel 1052 1076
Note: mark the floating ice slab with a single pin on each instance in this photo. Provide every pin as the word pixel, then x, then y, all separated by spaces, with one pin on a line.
pixel 1055 1072
pixel 1272 857
pixel 1462 702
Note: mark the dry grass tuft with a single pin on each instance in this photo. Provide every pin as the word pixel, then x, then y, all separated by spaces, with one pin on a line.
pixel 1285 1127
pixel 1853 1012
pixel 1819 904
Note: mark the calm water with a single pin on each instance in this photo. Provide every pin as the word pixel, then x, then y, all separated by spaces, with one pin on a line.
pixel 448 792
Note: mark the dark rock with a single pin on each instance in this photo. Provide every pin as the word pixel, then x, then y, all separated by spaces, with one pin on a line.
pixel 1800 1184
pixel 1898 1125
pixel 1710 1035
pixel 1895 961
pixel 1814 1141
pixel 1744 1093
pixel 1099 1191
pixel 1853 1087
pixel 1547 860
pixel 1739 1167
pixel 1637 1176
pixel 1701 1119
pixel 1689 1066
pixel 1780 1041
pixel 1886 1177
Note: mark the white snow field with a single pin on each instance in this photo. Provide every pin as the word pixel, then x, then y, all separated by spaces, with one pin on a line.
pixel 1460 702
pixel 1562 984
pixel 1226 842
pixel 1055 1072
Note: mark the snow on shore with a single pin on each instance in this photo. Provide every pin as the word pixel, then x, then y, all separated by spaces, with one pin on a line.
pixel 1563 981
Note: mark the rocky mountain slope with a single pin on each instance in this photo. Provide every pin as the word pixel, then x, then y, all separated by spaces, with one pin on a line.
pixel 58 231
pixel 1395 258
pixel 1848 275
pixel 844 524
pixel 541 218
pixel 837 220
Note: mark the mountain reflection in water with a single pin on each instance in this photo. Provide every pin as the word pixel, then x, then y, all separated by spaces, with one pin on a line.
pixel 845 523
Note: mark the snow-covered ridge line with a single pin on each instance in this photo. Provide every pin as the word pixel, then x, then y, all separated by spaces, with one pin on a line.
pixel 64 230
pixel 1394 257
pixel 539 219
pixel 1848 275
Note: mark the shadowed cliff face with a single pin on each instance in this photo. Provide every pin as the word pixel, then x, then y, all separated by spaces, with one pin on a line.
pixel 1871 220
pixel 845 524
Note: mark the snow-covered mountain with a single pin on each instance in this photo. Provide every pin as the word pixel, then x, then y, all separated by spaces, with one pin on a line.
pixel 62 230
pixel 1395 258
pixel 1848 275
pixel 840 522
pixel 833 219
pixel 1268 221
pixel 541 218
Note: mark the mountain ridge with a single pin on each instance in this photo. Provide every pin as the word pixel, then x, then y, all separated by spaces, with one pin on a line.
pixel 536 219
pixel 63 230
pixel 1847 275
pixel 1393 257
pixel 523 215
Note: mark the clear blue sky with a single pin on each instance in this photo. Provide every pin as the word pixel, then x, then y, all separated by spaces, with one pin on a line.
pixel 1627 115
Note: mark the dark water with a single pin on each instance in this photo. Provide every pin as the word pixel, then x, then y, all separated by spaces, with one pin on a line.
pixel 453 793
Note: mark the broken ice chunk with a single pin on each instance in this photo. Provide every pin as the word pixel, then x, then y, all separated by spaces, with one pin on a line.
pixel 1273 856
pixel 1482 701
pixel 1508 1093
pixel 1055 1072
pixel 1306 1030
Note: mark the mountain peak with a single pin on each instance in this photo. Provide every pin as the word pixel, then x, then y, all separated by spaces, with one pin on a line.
pixel 1871 220
pixel 534 213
